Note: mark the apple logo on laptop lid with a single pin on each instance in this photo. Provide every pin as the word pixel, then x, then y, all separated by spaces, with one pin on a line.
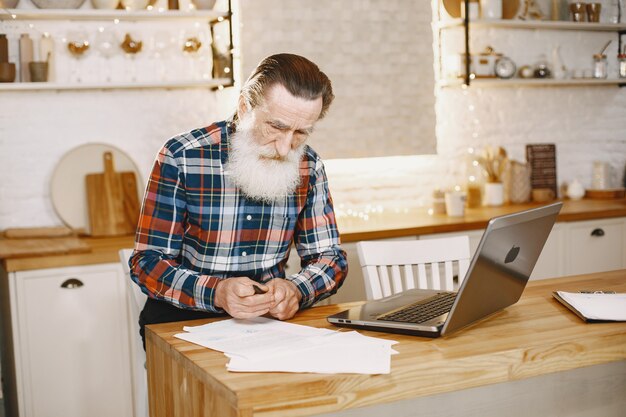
pixel 513 252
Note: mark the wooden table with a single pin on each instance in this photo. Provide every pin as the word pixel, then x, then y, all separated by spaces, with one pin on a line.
pixel 532 343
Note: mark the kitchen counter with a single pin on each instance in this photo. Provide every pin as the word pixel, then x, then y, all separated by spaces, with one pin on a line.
pixel 413 222
pixel 378 225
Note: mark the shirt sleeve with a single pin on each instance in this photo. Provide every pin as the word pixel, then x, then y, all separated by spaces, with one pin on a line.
pixel 155 264
pixel 316 239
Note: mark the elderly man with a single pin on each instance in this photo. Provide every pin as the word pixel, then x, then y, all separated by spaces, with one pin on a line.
pixel 224 202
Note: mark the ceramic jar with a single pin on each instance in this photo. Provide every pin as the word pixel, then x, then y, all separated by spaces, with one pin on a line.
pixel 491 9
pixel 575 190
pixel 8 4
pixel 494 194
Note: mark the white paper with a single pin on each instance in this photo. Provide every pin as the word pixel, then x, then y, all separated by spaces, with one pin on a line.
pixel 597 306
pixel 266 345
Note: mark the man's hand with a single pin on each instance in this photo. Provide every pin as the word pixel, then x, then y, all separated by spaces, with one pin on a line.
pixel 238 298
pixel 286 298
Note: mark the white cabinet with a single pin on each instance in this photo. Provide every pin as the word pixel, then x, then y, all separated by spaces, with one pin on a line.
pixel 596 245
pixel 70 342
pixel 572 248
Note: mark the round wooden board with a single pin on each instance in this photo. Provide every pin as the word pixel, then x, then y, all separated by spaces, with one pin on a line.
pixel 67 186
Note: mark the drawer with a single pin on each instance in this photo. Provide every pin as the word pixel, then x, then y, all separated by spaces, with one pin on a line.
pixel 595 246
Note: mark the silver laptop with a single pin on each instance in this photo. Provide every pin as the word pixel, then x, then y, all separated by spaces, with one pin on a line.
pixel 496 278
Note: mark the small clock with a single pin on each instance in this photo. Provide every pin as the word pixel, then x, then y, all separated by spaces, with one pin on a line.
pixel 505 67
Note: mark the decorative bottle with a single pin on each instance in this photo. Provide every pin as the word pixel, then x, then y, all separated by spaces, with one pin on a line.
pixel 46 53
pixel 26 56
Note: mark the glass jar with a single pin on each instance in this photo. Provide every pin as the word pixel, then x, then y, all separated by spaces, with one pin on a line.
pixel 599 66
pixel 621 62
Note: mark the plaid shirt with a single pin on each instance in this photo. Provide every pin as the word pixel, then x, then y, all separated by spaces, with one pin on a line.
pixel 196 227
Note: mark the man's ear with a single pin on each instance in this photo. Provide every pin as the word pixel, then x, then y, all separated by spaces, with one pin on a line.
pixel 242 107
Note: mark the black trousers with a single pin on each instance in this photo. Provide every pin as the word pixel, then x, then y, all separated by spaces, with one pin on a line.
pixel 157 311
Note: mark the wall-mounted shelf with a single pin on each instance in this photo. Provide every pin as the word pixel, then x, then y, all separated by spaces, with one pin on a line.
pixel 465 24
pixel 64 14
pixel 520 82
pixel 212 84
pixel 534 24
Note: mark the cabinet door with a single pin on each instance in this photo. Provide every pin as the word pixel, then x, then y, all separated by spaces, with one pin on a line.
pixel 73 341
pixel 595 246
pixel 550 262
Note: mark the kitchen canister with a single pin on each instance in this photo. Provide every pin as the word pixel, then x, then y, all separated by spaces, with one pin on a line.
pixel 494 194
pixel 491 9
pixel 26 56
pixel 601 176
pixel 519 182
pixel 47 54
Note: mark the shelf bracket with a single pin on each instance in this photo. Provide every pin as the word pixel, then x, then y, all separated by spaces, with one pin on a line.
pixel 467 48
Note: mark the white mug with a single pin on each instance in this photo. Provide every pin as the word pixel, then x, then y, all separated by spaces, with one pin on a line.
pixel 455 203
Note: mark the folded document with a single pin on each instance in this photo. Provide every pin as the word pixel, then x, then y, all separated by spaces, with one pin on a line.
pixel 595 306
pixel 266 345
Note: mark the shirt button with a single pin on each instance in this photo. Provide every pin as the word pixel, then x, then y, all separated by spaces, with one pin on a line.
pixel 244 253
pixel 248 217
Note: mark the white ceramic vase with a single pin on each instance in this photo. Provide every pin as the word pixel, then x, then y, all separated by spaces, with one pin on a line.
pixel 575 190
pixel 494 194
pixel 491 9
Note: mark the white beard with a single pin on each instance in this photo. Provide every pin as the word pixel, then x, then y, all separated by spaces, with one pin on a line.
pixel 256 170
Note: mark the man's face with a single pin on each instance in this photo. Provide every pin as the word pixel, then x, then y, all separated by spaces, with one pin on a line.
pixel 283 122
pixel 268 144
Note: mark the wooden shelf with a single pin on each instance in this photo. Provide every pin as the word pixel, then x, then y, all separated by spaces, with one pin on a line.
pixel 215 83
pixel 90 14
pixel 538 24
pixel 520 82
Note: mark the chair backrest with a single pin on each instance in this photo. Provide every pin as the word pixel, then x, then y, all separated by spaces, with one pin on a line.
pixel 390 267
pixel 135 302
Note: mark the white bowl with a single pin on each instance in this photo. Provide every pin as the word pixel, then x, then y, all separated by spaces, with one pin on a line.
pixel 58 4
pixel 204 4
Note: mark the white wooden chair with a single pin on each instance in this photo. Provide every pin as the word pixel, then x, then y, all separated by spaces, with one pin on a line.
pixel 390 267
pixel 135 300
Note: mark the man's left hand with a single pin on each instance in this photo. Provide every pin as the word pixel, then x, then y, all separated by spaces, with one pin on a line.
pixel 286 298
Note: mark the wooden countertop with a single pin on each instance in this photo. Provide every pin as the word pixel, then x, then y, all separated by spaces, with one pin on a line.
pixel 388 224
pixel 534 337
pixel 414 222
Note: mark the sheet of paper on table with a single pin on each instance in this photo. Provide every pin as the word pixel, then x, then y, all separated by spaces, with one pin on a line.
pixel 267 345
pixel 595 306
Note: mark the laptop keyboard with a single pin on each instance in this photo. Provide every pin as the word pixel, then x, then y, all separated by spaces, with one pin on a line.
pixel 423 310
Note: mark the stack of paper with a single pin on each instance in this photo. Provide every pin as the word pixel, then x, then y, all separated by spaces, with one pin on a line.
pixel 266 345
pixel 595 306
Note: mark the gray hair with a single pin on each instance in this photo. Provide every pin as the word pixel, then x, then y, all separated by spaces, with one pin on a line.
pixel 301 77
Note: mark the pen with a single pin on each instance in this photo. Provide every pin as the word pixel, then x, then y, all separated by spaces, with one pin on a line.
pixel 258 290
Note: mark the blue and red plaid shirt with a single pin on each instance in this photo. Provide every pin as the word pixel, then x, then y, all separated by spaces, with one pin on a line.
pixel 197 228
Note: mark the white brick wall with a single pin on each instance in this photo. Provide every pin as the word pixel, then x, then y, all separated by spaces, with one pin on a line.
pixel 36 128
pixel 377 53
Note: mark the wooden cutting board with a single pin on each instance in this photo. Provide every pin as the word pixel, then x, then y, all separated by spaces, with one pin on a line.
pixel 24 248
pixel 112 201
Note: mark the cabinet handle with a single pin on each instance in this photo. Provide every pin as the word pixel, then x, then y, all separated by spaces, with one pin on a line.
pixel 597 232
pixel 72 283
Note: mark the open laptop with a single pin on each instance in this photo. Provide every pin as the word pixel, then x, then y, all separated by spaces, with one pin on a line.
pixel 496 278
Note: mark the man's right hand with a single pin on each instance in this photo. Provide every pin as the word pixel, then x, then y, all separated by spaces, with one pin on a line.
pixel 238 298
